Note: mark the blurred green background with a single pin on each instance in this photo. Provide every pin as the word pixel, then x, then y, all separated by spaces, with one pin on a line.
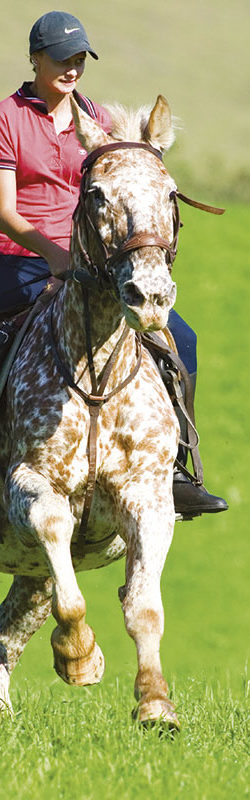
pixel 197 54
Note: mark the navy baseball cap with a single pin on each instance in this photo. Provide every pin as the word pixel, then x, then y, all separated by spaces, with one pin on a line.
pixel 61 35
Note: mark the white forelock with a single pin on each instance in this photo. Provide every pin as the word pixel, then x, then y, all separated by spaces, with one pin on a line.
pixel 129 124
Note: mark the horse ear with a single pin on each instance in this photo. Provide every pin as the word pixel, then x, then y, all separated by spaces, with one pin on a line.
pixel 88 132
pixel 159 129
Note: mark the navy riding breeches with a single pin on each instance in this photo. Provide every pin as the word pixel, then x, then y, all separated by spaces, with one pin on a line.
pixel 185 339
pixel 22 279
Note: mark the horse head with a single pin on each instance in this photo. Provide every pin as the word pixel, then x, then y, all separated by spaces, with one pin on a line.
pixel 126 217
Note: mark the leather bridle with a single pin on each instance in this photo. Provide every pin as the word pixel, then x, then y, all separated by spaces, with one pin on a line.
pixel 96 276
pixel 135 242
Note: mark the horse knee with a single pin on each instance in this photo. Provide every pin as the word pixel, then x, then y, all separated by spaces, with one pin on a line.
pixel 143 623
pixel 68 613
pixel 51 521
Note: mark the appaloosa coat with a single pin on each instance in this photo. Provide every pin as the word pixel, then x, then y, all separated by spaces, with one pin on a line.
pixel 44 436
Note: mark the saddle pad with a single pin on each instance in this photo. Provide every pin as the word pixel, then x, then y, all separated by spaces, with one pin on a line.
pixel 25 319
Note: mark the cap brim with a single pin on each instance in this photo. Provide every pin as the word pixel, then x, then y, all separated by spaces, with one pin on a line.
pixel 64 50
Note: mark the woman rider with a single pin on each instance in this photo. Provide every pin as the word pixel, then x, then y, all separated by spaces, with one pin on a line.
pixel 40 161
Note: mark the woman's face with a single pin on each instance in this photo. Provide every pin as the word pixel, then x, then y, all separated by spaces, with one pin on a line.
pixel 57 77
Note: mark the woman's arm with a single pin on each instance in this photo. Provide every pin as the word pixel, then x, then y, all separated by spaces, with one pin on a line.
pixel 21 231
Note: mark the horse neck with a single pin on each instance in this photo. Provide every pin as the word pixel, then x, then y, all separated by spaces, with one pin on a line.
pixel 106 325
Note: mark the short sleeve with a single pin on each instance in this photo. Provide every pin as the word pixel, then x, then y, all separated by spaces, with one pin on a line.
pixel 7 150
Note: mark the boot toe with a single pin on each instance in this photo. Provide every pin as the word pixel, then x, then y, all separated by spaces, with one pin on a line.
pixel 192 500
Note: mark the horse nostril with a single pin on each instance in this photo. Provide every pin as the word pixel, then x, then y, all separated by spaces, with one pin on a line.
pixel 131 295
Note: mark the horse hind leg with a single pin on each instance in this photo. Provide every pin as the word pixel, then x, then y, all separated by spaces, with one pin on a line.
pixel 24 610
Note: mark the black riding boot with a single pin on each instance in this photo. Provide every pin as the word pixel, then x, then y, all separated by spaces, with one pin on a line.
pixel 190 499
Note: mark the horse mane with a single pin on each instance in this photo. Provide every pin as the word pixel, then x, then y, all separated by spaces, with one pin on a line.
pixel 130 124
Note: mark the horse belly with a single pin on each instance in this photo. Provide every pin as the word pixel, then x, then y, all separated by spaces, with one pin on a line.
pixel 103 544
pixel 16 559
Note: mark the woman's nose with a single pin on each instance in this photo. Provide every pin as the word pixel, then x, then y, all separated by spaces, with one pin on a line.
pixel 72 71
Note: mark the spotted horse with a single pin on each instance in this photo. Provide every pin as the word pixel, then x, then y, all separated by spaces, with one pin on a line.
pixel 88 432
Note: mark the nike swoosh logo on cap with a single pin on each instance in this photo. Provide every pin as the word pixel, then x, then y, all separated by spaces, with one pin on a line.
pixel 70 30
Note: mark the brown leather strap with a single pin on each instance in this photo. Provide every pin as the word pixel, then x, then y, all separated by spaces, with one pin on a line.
pixel 94 414
pixel 142 240
pixel 196 204
pixel 155 344
pixel 94 402
pixel 110 148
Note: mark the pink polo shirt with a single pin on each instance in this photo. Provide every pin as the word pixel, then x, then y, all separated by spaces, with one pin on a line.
pixel 47 164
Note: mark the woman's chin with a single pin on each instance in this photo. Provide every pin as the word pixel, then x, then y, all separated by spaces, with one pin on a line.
pixel 67 88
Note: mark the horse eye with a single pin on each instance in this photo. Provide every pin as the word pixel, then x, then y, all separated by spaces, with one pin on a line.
pixel 99 195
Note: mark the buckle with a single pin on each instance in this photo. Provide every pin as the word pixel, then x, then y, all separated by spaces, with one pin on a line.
pixel 4 336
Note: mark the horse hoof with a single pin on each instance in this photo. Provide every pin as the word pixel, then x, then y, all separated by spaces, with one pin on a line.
pixel 81 671
pixel 157 711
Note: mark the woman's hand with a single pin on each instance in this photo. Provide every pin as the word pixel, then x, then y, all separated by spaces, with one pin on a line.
pixel 57 258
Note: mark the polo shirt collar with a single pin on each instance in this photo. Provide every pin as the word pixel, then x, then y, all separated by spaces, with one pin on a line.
pixel 26 92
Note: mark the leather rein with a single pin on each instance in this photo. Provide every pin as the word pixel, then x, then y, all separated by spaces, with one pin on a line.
pixel 95 277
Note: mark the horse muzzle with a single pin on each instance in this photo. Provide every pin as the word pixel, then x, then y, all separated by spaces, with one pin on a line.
pixel 147 310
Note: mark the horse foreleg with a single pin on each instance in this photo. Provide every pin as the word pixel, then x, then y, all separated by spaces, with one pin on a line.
pixel 47 516
pixel 23 611
pixel 148 543
pixel 77 657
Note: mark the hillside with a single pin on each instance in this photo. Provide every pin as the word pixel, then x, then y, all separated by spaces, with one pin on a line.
pixel 195 52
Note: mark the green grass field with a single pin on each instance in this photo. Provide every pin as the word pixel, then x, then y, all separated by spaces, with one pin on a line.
pixel 82 742
pixel 88 748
